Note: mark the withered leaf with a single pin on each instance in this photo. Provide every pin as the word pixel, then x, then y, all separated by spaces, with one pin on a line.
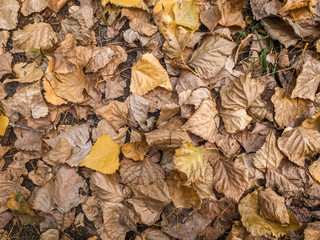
pixel 314 170
pixel 9 14
pixel 135 150
pixel 312 231
pixel 31 6
pixel 5 64
pixel 26 73
pixel 235 120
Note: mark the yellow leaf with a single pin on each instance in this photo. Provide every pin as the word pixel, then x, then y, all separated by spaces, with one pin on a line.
pixel 126 3
pixel 104 156
pixel 135 150
pixel 187 14
pixel 4 122
pixel 147 74
pixel 189 160
pixel 49 94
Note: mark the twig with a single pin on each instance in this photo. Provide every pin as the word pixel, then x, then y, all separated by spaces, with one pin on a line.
pixel 27 128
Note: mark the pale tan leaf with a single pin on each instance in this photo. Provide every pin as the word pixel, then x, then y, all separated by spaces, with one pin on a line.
pixel 261 109
pixel 4 36
pixel 9 14
pixel 235 120
pixel 230 178
pixel 142 28
pixel 56 5
pixel 147 74
pixel 249 209
pixel 142 173
pixel 116 113
pixel 273 207
pixel 312 231
pixel 298 143
pixel 288 110
pixel 31 6
pixel 41 175
pixel 100 58
pixel 60 153
pixel 91 208
pixel 37 35
pixel 27 140
pixel 104 127
pixel 138 109
pixel 269 155
pixel 5 64
pixel 307 81
pixel 26 73
pixel 189 160
pixel 241 93
pixel 50 234
pixel 210 57
pixel 167 112
pixel 314 170
pixel 154 234
pixel 205 121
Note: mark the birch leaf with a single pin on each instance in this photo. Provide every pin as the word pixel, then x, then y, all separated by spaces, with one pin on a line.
pixel 5 64
pixel 26 73
pixel 187 14
pixel 4 122
pixel 314 170
pixel 104 156
pixel 235 120
pixel 31 6
pixel 9 14
pixel 126 3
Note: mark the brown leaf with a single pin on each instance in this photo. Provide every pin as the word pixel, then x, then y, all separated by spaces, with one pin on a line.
pixel 138 109
pixel 101 56
pixel 167 112
pixel 204 122
pixel 9 14
pixel 104 127
pixel 314 170
pixel 235 120
pixel 227 143
pixel 27 140
pixel 273 207
pixel 288 110
pixel 60 153
pixel 56 5
pixel 49 94
pixel 135 150
pixel 31 6
pixel 312 231
pixel 211 56
pixel 5 64
pixel 269 155
pixel 262 9
pixel 298 143
pixel 41 175
pixel 209 14
pixel 229 178
pixel 231 13
pixel 26 73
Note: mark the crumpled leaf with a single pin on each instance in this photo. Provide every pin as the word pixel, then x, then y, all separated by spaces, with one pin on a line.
pixel 273 207
pixel 312 231
pixel 4 122
pixel 314 170
pixel 189 160
pixel 230 178
pixel 307 81
pixel 147 74
pixel 22 210
pixel 210 57
pixel 251 219
pixel 26 73
pixel 100 57
pixel 9 14
pixel 31 6
pixel 269 155
pixel 135 150
pixel 104 156
pixel 138 109
pixel 298 143
pixel 186 14
pixel 205 121
pixel 288 110
pixel 5 64
pixel 37 35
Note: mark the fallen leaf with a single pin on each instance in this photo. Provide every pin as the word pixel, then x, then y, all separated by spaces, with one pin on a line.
pixel 104 127
pixel 257 225
pixel 312 231
pixel 153 234
pixel 4 122
pixel 272 207
pixel 189 160
pixel 138 109
pixel 49 94
pixel 31 6
pixel 186 14
pixel 56 5
pixel 235 120
pixel 135 150
pixel 104 156
pixel 288 110
pixel 231 13
pixel 312 123
pixel 147 74
pixel 27 140
pixel 307 81
pixel 211 55
pixel 50 234
pixel 4 36
pixel 26 73
pixel 5 64
pixel 37 35
pixel 314 170
pixel 269 155
pixel 101 56
pixel 205 121
pixel 298 143
pixel 9 14
pixel 127 3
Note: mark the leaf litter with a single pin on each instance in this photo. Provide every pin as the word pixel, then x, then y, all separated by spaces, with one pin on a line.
pixel 159 119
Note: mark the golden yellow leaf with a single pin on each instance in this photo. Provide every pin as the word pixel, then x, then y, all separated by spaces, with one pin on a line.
pixel 4 122
pixel 104 156
pixel 314 170
pixel 126 3
pixel 135 150
pixel 189 160
pixel 147 74
pixel 186 14
pixel 50 95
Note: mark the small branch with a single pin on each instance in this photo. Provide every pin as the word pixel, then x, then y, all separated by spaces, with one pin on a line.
pixel 27 128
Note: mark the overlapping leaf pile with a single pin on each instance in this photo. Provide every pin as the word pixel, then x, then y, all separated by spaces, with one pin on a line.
pixel 187 119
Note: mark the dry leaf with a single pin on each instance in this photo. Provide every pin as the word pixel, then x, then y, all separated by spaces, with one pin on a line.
pixel 4 36
pixel 50 234
pixel 37 35
pixel 312 123
pixel 288 110
pixel 273 207
pixel 26 73
pixel 138 109
pixel 269 155
pixel 31 6
pixel 135 150
pixel 104 156
pixel 27 140
pixel 307 81
pixel 189 160
pixel 104 127
pixel 56 5
pixel 5 64
pixel 235 120
pixel 9 14
pixel 101 56
pixel 147 74
pixel 231 13
pixel 186 14
pixel 314 170
pixel 251 219
pixel 127 3
pixel 210 57
pixel 205 121
pixel 49 94
pixel 298 143
pixel 4 122
pixel 312 231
